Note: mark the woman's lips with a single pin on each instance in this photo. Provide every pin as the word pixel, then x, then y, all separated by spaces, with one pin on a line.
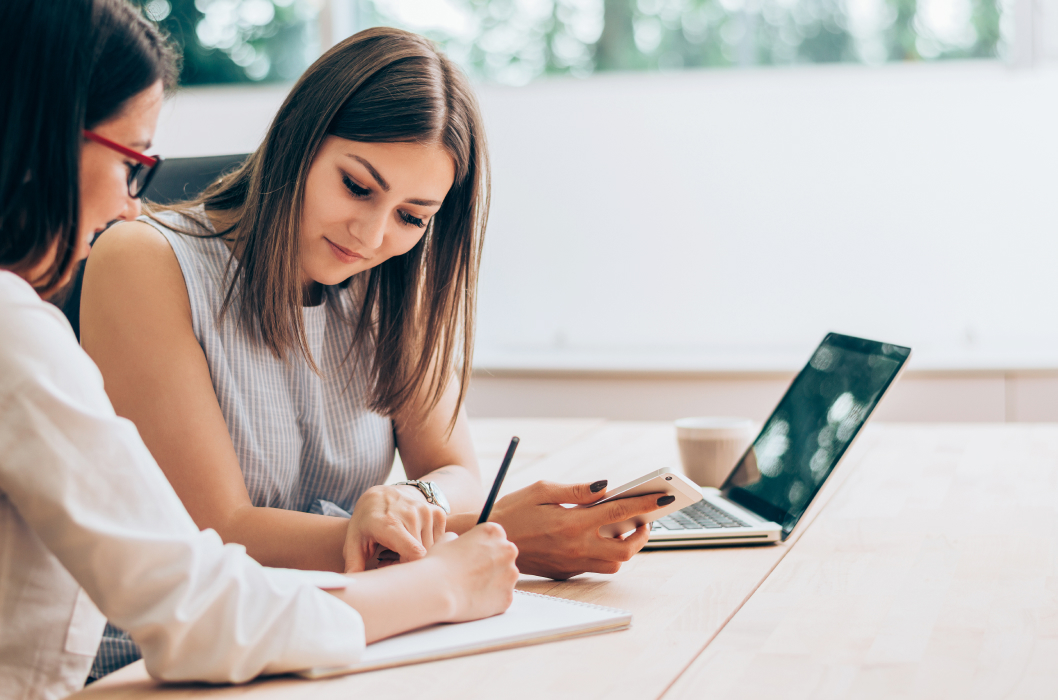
pixel 344 254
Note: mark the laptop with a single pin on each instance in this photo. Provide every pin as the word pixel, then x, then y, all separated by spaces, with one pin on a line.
pixel 801 443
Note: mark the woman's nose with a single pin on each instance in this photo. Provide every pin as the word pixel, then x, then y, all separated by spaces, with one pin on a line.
pixel 372 232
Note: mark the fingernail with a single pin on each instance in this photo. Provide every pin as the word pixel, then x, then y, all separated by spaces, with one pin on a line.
pixel 598 486
pixel 665 500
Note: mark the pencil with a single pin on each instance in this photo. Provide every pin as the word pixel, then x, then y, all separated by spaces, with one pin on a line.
pixel 487 510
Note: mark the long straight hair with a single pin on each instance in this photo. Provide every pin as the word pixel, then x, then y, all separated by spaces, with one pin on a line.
pixel 416 311
pixel 65 66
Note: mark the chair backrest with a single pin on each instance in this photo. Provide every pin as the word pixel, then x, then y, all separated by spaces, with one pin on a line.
pixel 185 178
pixel 177 179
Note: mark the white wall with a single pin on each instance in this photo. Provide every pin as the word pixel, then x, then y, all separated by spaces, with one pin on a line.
pixel 705 213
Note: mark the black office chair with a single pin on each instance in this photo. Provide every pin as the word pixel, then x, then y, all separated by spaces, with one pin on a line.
pixel 176 179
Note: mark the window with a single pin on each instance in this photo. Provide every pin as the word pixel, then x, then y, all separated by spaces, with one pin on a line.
pixel 234 41
pixel 515 41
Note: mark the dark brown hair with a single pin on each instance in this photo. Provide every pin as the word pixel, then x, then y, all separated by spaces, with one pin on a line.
pixel 416 311
pixel 65 66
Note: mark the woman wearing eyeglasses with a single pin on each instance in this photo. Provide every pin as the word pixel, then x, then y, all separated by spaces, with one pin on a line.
pixel 89 526
pixel 141 167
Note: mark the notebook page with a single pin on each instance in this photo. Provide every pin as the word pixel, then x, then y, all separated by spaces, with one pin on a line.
pixel 532 618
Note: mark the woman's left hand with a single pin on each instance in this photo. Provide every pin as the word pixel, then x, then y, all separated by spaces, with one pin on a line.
pixel 396 518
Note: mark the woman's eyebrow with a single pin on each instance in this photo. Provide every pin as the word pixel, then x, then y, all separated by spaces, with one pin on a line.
pixel 371 169
pixel 385 185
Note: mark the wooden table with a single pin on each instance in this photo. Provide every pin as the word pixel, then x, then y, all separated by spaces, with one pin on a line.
pixel 924 569
pixel 932 574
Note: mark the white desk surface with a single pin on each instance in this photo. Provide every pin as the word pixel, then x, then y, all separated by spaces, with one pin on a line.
pixel 926 568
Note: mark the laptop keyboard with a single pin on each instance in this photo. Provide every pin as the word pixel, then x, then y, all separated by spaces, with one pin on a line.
pixel 701 515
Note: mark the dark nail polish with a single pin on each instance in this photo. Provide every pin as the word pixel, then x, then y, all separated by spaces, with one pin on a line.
pixel 599 486
pixel 665 500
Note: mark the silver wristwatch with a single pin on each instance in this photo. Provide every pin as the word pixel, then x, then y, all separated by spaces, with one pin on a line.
pixel 432 492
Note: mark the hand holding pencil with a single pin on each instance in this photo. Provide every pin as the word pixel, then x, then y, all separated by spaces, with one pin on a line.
pixel 388 557
pixel 482 561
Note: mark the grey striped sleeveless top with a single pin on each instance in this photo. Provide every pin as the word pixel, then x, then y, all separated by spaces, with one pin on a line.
pixel 305 441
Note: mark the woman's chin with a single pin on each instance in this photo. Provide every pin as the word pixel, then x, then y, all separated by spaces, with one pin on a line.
pixel 331 277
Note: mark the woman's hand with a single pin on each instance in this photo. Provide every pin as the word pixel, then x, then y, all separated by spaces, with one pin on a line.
pixel 559 542
pixel 464 578
pixel 396 518
pixel 480 571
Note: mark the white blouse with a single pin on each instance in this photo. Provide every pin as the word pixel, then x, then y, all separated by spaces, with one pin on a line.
pixel 89 523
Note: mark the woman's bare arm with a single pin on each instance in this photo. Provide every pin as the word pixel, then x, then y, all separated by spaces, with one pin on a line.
pixel 397 517
pixel 136 325
pixel 430 453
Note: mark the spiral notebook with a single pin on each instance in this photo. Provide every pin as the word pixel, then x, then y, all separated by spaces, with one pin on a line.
pixel 531 619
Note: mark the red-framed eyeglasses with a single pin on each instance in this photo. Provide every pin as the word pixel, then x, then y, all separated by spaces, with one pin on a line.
pixel 140 174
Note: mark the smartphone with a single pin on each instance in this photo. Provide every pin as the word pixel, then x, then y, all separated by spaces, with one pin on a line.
pixel 662 482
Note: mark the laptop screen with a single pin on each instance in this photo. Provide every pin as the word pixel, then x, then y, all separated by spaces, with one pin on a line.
pixel 807 434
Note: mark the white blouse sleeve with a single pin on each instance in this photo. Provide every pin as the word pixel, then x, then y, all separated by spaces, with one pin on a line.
pixel 85 483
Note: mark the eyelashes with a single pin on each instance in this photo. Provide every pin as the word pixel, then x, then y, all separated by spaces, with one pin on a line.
pixel 362 192
pixel 356 189
pixel 411 220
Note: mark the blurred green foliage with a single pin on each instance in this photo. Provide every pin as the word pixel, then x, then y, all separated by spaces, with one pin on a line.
pixel 514 41
pixel 672 34
pixel 235 41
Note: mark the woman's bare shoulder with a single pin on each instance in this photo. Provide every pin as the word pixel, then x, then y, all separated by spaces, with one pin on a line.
pixel 133 265
pixel 132 243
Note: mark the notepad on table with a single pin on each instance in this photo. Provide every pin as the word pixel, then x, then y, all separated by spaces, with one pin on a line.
pixel 531 619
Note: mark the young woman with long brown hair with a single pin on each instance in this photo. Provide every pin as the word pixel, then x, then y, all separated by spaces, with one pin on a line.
pixel 277 339
pixel 89 525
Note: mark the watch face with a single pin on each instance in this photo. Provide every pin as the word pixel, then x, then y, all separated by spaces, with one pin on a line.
pixel 437 496
pixel 431 491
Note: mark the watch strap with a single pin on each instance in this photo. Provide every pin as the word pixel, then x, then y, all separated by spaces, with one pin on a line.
pixel 430 491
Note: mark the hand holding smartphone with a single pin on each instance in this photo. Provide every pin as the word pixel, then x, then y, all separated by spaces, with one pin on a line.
pixel 662 482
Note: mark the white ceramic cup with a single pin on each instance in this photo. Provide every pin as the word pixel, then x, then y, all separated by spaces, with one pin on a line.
pixel 711 445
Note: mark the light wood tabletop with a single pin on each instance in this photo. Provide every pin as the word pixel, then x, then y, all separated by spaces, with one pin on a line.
pixel 924 565
pixel 932 574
